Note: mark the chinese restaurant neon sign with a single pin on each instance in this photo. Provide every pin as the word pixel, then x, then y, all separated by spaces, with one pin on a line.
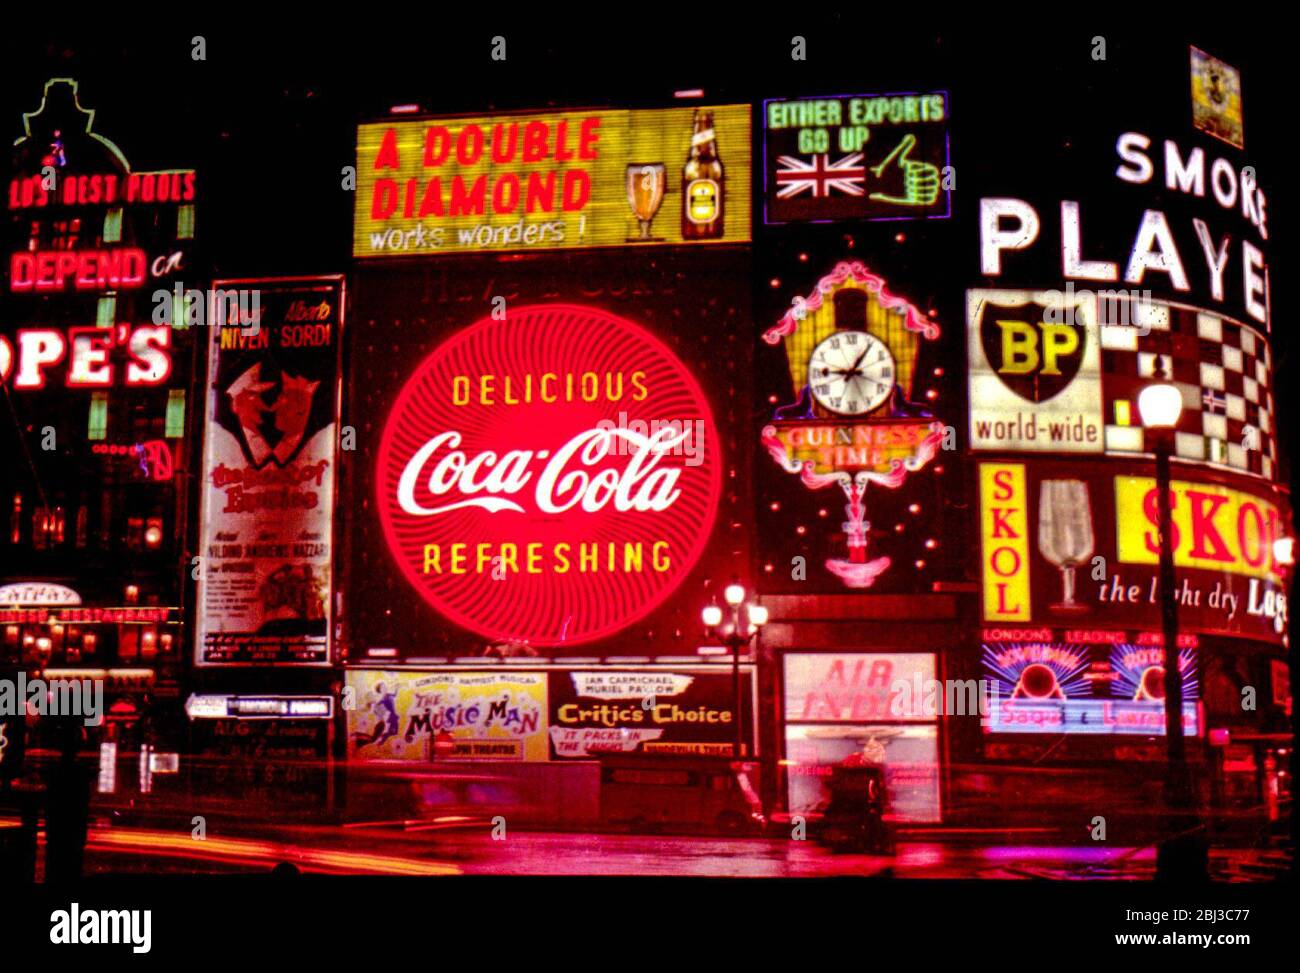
pixel 562 462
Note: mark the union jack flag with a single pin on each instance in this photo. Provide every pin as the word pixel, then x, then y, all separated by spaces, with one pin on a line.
pixel 819 175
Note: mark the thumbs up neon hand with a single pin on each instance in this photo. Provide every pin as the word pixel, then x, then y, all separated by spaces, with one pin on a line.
pixel 920 179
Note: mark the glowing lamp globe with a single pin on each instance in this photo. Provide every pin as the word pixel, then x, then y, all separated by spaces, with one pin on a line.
pixel 1038 681
pixel 734 594
pixel 712 616
pixel 758 615
pixel 1284 551
pixel 1153 684
pixel 1160 405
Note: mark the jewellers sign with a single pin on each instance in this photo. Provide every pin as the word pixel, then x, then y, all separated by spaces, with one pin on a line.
pixel 549 477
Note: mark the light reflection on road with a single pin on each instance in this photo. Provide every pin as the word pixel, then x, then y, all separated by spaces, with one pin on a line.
pixel 378 851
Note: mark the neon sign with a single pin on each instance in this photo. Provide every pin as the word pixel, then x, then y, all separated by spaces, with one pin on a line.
pixel 107 189
pixel 851 348
pixel 1045 687
pixel 38 593
pixel 73 616
pixel 1009 225
pixel 552 180
pixel 862 157
pixel 519 467
pixel 88 352
pixel 53 270
pixel 153 458
pixel 1065 545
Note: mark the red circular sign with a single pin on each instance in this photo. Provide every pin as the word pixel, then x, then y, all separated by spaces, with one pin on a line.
pixel 549 478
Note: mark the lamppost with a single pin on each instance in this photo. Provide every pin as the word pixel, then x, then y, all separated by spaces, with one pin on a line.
pixel 1180 854
pixel 736 634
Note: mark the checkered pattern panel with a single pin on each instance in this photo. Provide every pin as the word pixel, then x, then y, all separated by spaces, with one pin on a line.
pixel 1223 369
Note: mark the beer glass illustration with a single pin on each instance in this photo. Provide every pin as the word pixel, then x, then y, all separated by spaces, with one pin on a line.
pixel 646 183
pixel 1065 533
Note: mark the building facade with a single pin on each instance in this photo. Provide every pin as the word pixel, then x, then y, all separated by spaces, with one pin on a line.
pixel 460 498
pixel 98 381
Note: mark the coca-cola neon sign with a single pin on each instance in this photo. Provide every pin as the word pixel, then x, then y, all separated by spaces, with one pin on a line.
pixel 550 477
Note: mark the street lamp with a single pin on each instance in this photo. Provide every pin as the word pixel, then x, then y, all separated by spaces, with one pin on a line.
pixel 741 629
pixel 1284 551
pixel 1179 855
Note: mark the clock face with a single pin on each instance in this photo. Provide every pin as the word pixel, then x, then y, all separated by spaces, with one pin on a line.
pixel 851 373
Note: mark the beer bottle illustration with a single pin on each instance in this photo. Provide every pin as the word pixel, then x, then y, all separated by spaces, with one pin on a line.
pixel 703 184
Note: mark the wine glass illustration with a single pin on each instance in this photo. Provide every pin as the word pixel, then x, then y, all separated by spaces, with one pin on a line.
pixel 646 183
pixel 1065 536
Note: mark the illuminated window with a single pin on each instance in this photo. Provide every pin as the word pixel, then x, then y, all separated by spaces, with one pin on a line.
pixel 106 310
pixel 175 424
pixel 97 427
pixel 148 642
pixel 128 642
pixel 185 222
pixel 16 520
pixel 1123 413
pixel 135 533
pixel 66 233
pixel 47 527
pixel 72 646
pixel 113 225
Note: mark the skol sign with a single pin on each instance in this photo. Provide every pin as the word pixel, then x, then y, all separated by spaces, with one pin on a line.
pixel 1004 531
pixel 1066 544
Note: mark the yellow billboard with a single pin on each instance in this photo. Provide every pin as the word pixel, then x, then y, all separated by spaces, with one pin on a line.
pixel 1004 530
pixel 553 181
pixel 1215 528
pixel 404 715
